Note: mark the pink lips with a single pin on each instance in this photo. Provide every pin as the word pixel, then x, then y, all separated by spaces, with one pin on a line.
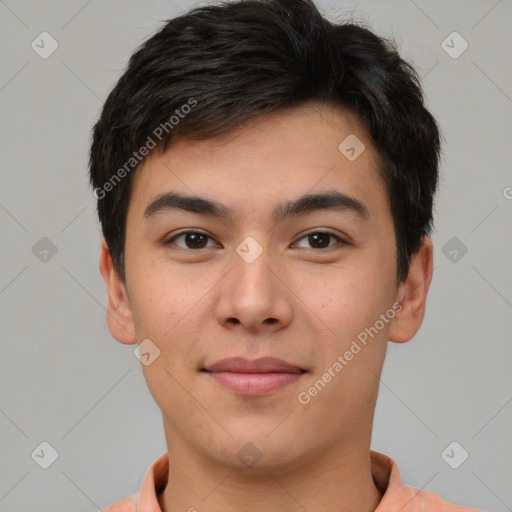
pixel 253 378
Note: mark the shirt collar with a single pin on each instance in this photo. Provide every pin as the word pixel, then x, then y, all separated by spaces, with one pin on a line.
pixel 384 471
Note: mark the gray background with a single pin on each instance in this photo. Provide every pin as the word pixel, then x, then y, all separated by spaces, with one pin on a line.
pixel 65 381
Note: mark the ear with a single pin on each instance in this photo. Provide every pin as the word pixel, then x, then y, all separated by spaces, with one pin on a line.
pixel 412 295
pixel 119 315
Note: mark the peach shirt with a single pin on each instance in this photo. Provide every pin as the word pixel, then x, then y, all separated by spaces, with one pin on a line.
pixel 397 497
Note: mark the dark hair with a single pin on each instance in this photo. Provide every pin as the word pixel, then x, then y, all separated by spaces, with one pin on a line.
pixel 223 64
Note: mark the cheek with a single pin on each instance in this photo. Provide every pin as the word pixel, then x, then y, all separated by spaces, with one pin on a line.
pixel 349 300
pixel 163 311
pixel 167 308
pixel 159 298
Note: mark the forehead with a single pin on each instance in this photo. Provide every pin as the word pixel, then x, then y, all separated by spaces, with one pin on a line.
pixel 254 167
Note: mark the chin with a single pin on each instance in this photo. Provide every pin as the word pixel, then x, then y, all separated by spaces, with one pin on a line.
pixel 256 449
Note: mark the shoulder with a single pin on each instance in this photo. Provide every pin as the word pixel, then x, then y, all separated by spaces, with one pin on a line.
pixel 127 504
pixel 419 500
pixel 399 497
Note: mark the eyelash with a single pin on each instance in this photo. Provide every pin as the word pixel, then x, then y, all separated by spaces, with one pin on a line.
pixel 329 233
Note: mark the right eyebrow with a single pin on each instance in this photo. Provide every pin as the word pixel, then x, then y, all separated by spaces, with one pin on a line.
pixel 193 204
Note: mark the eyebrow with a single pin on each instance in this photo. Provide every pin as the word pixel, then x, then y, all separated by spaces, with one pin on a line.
pixel 308 203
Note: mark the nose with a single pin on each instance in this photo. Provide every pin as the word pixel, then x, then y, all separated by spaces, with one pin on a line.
pixel 253 296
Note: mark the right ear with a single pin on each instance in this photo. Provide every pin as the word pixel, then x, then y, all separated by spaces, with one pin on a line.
pixel 119 314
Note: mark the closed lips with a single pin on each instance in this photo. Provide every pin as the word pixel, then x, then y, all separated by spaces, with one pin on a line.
pixel 262 365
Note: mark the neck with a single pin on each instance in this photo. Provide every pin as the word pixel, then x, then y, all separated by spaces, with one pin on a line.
pixel 339 479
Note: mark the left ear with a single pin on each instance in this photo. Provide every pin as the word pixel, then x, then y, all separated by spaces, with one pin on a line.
pixel 412 295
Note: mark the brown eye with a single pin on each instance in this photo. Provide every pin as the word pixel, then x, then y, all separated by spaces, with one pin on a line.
pixel 193 240
pixel 321 239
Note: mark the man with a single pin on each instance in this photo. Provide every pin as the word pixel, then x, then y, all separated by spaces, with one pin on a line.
pixel 265 181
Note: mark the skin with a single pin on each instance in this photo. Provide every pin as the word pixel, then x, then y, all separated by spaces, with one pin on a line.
pixel 201 305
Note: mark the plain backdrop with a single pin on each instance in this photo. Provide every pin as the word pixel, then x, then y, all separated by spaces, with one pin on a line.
pixel 64 381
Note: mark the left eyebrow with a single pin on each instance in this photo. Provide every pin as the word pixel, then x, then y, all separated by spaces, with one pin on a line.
pixel 328 200
pixel 308 203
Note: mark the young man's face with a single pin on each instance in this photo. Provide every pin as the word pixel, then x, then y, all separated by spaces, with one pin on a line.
pixel 302 299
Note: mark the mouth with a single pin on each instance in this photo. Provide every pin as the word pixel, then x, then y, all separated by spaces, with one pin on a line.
pixel 253 378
